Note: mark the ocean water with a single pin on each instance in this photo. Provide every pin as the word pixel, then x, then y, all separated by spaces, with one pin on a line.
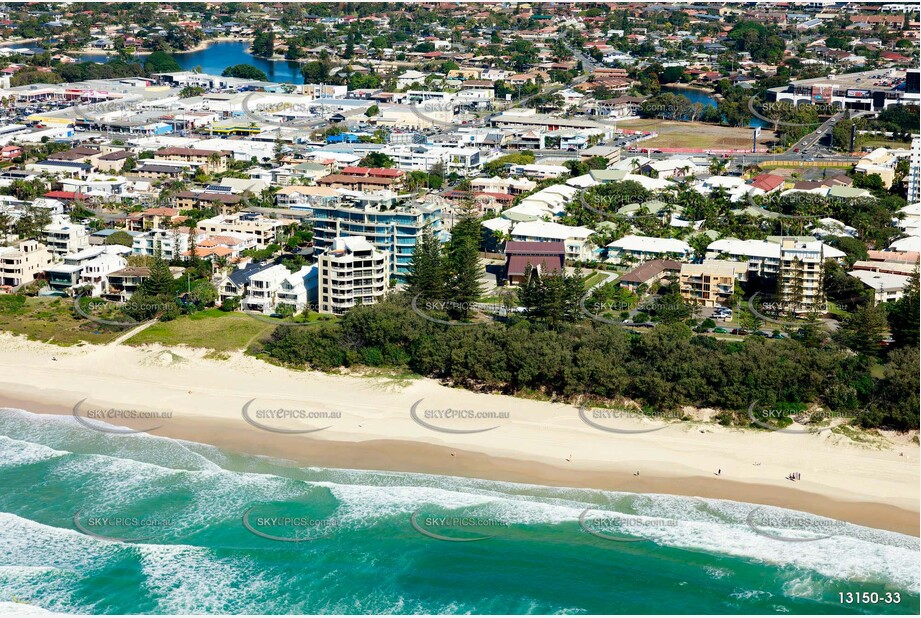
pixel 202 530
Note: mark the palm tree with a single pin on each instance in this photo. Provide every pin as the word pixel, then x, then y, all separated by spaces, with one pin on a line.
pixel 718 166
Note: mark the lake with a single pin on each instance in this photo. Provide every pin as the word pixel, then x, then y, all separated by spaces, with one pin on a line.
pixel 700 96
pixel 218 56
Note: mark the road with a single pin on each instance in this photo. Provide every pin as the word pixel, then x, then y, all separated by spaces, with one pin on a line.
pixel 810 141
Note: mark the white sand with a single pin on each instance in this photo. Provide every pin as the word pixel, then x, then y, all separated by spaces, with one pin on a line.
pixel 682 458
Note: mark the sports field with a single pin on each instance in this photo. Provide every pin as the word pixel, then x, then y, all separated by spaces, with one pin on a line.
pixel 672 134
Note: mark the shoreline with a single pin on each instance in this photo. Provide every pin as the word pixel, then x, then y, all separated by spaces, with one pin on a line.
pixel 703 89
pixel 539 443
pixel 203 45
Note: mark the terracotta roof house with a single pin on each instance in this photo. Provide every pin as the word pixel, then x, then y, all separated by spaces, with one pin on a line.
pixel 768 182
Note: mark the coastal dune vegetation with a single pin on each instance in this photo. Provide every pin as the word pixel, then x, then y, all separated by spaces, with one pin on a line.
pixel 666 368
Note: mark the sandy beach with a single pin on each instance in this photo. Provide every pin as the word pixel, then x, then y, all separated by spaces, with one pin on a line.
pixel 402 425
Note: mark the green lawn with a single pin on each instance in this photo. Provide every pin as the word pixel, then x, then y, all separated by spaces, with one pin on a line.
pixel 213 329
pixel 882 142
pixel 594 279
pixel 52 320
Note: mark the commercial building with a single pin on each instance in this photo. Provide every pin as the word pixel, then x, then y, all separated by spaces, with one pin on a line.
pixel 864 91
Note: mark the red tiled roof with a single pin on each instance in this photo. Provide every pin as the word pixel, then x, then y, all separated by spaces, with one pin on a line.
pixel 518 264
pixel 65 195
pixel 767 182
pixel 345 180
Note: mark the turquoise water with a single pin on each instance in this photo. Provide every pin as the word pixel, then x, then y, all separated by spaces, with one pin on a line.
pixel 218 56
pixel 360 552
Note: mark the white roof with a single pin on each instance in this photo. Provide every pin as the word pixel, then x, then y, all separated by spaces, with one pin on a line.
pixel 563 191
pixel 910 243
pixel 89 252
pixel 650 244
pixel 677 221
pixel 726 182
pixel 352 243
pixel 275 272
pixel 751 248
pixel 673 164
pixel 650 184
pixel 875 280
pixel 529 209
pixel 833 227
pixel 630 163
pixel 549 229
pixel 297 277
pixel 911 209
pixel 583 182
pixel 720 267
pixel 830 252
pixel 497 224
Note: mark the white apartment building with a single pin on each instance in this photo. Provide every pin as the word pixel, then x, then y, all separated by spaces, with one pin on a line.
pixel 497 184
pixel 887 287
pixel 799 283
pixel 763 258
pixel 171 244
pixel 914 171
pixel 264 229
pixel 633 248
pixel 21 262
pixel 578 246
pixel 108 187
pixel 262 289
pixel 351 272
pixel 69 272
pixel 95 272
pixel 463 161
pixel 299 289
pixel 63 237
